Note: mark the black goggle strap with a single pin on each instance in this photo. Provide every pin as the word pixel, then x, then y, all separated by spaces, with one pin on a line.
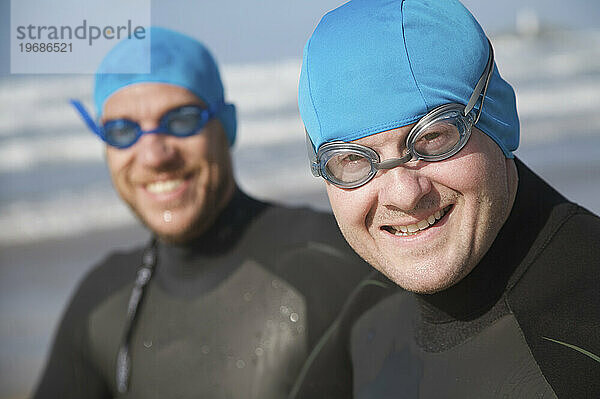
pixel 144 274
pixel 87 118
pixel 482 85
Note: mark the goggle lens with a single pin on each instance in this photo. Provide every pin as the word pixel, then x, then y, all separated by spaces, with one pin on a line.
pixel 183 121
pixel 121 133
pixel 438 139
pixel 348 167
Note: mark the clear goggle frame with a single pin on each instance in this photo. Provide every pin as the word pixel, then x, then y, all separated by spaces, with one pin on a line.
pixel 438 135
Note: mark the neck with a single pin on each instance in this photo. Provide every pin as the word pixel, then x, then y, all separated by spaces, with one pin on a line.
pixel 196 266
pixel 226 228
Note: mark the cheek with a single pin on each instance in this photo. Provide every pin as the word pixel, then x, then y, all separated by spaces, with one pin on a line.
pixel 476 169
pixel 486 162
pixel 117 161
pixel 203 148
pixel 471 172
pixel 194 148
pixel 350 207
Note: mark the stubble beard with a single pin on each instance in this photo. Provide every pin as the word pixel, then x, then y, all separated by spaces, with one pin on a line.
pixel 214 200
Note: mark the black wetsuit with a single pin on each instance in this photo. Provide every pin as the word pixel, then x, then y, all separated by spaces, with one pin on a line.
pixel 489 336
pixel 232 315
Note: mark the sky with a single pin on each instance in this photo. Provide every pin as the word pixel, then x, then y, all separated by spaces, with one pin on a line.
pixel 240 31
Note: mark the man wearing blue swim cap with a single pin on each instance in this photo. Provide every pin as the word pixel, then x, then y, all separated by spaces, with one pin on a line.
pixel 221 302
pixel 487 278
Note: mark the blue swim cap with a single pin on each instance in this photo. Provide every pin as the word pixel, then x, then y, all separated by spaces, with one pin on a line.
pixel 376 65
pixel 176 59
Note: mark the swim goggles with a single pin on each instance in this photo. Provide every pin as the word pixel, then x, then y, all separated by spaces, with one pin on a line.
pixel 438 135
pixel 182 121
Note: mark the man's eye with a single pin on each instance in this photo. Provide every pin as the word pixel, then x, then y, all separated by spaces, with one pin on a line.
pixel 438 140
pixel 431 136
pixel 352 158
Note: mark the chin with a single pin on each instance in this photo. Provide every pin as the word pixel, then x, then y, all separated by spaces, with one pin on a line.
pixel 174 238
pixel 427 278
pixel 171 235
pixel 429 287
pixel 175 233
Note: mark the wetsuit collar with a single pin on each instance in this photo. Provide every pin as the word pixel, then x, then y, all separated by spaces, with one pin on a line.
pixel 196 266
pixel 225 231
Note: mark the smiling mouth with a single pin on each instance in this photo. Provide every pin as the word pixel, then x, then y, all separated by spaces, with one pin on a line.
pixel 164 186
pixel 421 225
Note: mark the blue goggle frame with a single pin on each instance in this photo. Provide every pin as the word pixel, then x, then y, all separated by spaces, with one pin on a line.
pixel 205 115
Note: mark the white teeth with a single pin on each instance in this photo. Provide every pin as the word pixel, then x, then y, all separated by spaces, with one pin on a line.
pixel 412 229
pixel 422 224
pixel 165 186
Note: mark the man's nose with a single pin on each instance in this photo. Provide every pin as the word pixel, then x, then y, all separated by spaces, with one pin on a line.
pixel 402 187
pixel 156 150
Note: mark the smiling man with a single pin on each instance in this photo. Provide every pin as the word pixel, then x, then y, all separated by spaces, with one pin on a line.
pixel 487 282
pixel 177 186
pixel 223 301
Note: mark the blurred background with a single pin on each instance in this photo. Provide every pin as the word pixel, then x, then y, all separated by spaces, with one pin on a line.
pixel 59 215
